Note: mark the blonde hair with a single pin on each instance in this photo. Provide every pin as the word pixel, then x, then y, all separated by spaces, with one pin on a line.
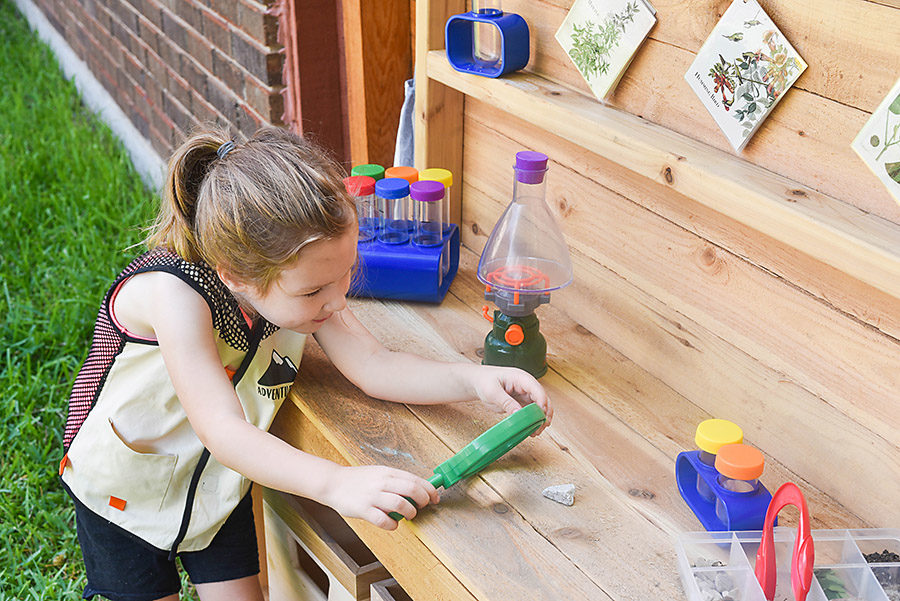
pixel 251 211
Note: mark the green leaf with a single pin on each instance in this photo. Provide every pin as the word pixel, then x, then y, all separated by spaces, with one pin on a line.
pixel 893 171
pixel 751 107
pixel 895 106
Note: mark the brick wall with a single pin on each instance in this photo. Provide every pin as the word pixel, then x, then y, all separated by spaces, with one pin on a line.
pixel 171 64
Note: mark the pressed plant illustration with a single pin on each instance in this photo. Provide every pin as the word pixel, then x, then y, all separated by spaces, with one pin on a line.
pixel 592 43
pixel 891 138
pixel 744 68
pixel 878 142
pixel 754 80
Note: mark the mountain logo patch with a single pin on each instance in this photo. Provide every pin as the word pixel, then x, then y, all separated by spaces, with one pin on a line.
pixel 278 377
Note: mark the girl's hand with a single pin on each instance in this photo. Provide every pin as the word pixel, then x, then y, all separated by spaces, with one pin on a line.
pixel 372 492
pixel 509 389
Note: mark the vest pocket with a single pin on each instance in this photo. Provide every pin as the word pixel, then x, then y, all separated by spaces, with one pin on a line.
pixel 116 470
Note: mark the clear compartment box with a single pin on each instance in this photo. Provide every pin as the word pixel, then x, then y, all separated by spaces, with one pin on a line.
pixel 718 566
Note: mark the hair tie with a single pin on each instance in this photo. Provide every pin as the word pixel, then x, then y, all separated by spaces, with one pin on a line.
pixel 225 148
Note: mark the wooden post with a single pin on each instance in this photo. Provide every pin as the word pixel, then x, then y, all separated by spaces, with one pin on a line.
pixel 439 109
pixel 309 31
pixel 377 61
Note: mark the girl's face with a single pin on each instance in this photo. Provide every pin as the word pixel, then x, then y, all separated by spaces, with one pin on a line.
pixel 308 291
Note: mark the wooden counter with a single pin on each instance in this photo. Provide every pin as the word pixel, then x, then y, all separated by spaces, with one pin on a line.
pixel 615 435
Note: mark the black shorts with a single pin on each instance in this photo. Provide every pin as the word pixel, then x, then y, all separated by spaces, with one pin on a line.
pixel 121 567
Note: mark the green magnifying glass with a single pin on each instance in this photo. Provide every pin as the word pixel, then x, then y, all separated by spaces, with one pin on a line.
pixel 487 448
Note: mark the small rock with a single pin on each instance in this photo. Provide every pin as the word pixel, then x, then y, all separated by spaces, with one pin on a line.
pixel 723 582
pixel 561 493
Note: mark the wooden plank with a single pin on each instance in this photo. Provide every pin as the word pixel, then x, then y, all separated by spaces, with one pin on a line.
pixel 404 555
pixel 851 47
pixel 838 359
pixel 378 62
pixel 807 138
pixel 837 289
pixel 366 431
pixel 337 557
pixel 842 236
pixel 439 109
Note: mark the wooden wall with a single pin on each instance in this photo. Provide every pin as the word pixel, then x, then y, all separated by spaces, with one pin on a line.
pixel 798 349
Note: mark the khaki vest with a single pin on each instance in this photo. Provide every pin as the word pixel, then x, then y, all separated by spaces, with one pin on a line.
pixel 134 458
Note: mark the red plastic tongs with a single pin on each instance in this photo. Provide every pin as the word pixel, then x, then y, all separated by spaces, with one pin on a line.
pixel 804 554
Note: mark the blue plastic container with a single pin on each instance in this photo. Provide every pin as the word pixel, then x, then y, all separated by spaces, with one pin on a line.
pixel 514 42
pixel 744 511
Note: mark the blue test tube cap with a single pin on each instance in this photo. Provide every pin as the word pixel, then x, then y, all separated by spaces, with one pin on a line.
pixel 392 187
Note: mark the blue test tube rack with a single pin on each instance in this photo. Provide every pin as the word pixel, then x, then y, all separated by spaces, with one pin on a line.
pixel 745 511
pixel 405 271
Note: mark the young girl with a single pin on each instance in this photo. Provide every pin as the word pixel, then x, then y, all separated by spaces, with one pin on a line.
pixel 196 345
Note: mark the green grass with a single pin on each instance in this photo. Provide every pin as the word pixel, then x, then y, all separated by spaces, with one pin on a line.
pixel 70 206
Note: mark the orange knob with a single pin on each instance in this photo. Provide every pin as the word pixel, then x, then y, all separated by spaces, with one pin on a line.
pixel 514 334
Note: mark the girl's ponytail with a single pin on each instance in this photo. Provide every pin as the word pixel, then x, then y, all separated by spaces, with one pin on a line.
pixel 175 224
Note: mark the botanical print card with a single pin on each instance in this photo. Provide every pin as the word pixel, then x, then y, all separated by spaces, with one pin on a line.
pixel 878 142
pixel 602 36
pixel 743 69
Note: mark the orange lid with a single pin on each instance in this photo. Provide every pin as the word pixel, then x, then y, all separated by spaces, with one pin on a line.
pixel 739 461
pixel 410 174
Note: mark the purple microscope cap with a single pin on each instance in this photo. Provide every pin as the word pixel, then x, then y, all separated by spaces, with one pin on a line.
pixel 530 166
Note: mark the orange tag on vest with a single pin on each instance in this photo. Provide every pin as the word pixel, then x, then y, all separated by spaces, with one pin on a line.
pixel 63 464
pixel 117 503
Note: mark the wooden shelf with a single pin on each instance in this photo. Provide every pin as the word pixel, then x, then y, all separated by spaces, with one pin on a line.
pixel 857 243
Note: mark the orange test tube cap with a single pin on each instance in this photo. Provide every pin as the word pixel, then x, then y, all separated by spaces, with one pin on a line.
pixel 410 174
pixel 740 461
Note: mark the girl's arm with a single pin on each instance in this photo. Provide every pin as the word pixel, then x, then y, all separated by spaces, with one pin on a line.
pixel 183 327
pixel 408 378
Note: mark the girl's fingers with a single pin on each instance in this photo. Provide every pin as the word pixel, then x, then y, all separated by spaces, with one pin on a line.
pixel 390 502
pixel 377 517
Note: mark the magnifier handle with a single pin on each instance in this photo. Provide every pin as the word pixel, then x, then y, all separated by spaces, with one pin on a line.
pixel 436 480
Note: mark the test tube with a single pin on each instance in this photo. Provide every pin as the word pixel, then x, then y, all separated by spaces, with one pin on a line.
pixel 711 435
pixel 445 177
pixel 362 189
pixel 739 467
pixel 427 198
pixel 411 175
pixel 486 44
pixel 376 172
pixel 392 193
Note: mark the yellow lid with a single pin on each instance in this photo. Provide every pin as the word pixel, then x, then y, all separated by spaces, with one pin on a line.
pixel 437 175
pixel 713 433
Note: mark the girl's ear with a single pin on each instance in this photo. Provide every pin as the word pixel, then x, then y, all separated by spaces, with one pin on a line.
pixel 232 283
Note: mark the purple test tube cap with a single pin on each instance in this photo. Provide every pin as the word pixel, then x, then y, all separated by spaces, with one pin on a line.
pixel 426 190
pixel 530 166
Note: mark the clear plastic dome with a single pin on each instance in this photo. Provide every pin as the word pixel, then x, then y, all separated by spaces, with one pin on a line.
pixel 526 251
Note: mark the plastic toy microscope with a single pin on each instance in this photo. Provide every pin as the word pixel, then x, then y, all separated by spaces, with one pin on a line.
pixel 525 258
pixel 487 448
